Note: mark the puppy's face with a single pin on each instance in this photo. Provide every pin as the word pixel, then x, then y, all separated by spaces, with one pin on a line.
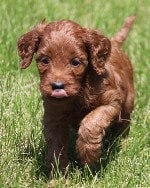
pixel 64 50
pixel 62 61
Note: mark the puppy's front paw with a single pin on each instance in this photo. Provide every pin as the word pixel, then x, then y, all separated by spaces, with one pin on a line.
pixel 88 145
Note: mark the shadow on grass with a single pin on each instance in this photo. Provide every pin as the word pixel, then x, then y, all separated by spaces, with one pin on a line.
pixel 36 152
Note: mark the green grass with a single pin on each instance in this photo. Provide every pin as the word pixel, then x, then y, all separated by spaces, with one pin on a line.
pixel 22 147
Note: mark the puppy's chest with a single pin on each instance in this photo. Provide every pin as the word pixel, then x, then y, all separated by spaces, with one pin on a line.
pixel 80 109
pixel 77 114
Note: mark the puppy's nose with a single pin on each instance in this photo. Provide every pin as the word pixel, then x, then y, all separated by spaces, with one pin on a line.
pixel 58 85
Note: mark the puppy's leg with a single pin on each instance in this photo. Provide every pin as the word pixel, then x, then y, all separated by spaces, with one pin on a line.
pixel 92 131
pixel 122 127
pixel 56 136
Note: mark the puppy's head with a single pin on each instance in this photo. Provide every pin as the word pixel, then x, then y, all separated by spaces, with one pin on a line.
pixel 64 52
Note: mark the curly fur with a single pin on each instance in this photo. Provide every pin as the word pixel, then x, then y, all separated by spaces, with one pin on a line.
pixel 97 85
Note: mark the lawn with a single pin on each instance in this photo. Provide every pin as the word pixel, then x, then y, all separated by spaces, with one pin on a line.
pixel 22 146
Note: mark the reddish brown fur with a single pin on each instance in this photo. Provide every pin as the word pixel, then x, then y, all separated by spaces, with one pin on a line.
pixel 100 92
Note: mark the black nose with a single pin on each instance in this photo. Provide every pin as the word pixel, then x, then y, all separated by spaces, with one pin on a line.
pixel 57 85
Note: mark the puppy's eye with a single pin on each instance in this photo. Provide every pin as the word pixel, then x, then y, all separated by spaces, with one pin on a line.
pixel 45 60
pixel 75 62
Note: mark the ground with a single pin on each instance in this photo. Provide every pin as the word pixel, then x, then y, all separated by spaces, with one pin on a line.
pixel 22 146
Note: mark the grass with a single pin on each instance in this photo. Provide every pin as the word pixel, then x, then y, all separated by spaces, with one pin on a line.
pixel 22 147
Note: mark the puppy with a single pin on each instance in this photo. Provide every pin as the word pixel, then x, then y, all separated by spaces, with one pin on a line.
pixel 86 81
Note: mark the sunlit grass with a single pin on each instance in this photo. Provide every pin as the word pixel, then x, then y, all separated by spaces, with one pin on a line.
pixel 22 146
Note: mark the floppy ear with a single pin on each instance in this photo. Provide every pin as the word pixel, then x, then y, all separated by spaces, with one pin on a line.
pixel 99 49
pixel 28 45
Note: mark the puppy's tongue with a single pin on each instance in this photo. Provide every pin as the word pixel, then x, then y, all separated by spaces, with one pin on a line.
pixel 59 93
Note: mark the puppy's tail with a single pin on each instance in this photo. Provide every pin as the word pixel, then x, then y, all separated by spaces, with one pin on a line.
pixel 121 36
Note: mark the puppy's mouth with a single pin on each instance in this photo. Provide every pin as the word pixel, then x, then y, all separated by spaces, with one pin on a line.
pixel 59 93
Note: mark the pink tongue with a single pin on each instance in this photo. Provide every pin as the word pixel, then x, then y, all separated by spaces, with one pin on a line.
pixel 59 93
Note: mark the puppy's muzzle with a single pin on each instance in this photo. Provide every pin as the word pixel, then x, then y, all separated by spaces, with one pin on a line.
pixel 58 90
